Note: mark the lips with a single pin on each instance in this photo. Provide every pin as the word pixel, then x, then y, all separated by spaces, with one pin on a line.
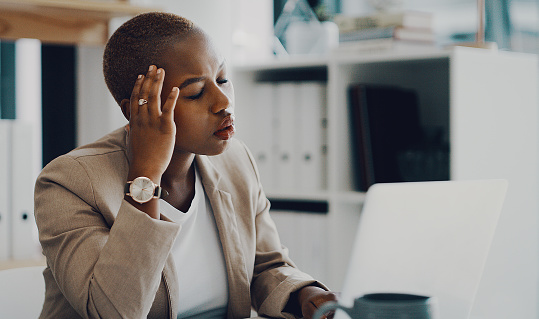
pixel 226 130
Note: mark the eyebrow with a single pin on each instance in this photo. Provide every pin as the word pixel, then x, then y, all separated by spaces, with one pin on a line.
pixel 197 79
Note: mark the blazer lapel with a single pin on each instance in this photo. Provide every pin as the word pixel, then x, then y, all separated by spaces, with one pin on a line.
pixel 227 226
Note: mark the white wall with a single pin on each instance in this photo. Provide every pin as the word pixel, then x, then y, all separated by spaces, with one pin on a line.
pixel 97 112
pixel 214 16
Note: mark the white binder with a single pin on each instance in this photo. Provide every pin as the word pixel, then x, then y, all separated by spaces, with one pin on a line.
pixel 24 241
pixel 311 132
pixel 263 144
pixel 286 106
pixel 5 190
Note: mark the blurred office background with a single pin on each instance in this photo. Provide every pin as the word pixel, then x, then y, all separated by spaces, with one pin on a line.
pixel 59 87
pixel 63 104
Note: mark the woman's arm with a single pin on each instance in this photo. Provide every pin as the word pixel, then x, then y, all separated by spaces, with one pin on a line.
pixel 103 267
pixel 151 132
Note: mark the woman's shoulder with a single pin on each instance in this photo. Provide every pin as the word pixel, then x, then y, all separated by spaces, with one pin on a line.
pixel 114 141
pixel 107 152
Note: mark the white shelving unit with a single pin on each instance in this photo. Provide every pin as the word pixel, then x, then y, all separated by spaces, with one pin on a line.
pixel 486 104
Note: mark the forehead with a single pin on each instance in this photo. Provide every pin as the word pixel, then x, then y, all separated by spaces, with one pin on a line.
pixel 193 54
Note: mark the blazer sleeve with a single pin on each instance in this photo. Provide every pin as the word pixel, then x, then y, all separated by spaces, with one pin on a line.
pixel 275 275
pixel 103 270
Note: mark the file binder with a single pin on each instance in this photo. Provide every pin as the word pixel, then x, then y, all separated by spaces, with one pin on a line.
pixel 5 190
pixel 24 231
pixel 263 145
pixel 311 136
pixel 286 106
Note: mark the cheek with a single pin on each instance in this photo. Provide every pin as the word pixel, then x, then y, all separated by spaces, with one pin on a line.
pixel 188 122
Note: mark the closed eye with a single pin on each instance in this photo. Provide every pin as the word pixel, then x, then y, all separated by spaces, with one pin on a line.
pixel 196 96
pixel 222 81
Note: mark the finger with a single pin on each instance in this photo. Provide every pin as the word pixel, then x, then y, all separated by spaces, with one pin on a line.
pixel 170 104
pixel 154 96
pixel 133 101
pixel 146 85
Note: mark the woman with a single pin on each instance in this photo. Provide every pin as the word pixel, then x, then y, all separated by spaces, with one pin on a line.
pixel 166 217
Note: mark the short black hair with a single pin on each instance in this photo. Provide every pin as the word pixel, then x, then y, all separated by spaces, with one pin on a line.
pixel 137 44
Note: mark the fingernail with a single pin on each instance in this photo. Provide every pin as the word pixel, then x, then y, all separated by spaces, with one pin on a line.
pixel 151 68
pixel 140 76
pixel 159 71
pixel 175 89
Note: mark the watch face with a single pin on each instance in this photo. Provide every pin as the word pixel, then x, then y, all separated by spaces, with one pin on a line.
pixel 142 189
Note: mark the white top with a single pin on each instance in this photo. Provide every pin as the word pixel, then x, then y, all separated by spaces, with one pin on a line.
pixel 199 260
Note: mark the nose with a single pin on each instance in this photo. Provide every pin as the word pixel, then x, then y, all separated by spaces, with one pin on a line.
pixel 222 100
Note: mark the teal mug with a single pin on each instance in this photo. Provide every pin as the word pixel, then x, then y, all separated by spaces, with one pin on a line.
pixel 386 306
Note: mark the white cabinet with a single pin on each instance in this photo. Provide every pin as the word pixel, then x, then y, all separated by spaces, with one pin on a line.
pixel 485 103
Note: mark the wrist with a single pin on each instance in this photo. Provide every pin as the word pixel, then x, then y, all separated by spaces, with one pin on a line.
pixel 307 292
pixel 151 174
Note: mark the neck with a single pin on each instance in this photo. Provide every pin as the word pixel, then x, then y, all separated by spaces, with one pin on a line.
pixel 180 169
pixel 179 181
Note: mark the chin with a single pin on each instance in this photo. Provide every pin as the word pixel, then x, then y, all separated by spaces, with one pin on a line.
pixel 220 149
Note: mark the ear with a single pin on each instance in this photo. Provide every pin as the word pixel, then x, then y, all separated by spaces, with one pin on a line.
pixel 126 108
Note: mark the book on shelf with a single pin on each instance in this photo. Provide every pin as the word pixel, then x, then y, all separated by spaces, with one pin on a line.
pixel 367 34
pixel 408 42
pixel 385 124
pixel 382 31
pixel 407 19
pixel 398 33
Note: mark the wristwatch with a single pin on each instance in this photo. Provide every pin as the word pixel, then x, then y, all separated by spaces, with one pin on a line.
pixel 142 190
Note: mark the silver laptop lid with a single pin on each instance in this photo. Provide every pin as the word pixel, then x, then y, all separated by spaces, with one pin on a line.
pixel 428 238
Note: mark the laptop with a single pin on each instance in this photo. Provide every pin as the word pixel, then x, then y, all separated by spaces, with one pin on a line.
pixel 426 238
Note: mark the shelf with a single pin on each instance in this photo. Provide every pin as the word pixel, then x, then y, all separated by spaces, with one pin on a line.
pixel 309 61
pixel 62 21
pixel 407 53
pixel 419 53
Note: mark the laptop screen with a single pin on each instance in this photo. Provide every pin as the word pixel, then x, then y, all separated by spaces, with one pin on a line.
pixel 427 238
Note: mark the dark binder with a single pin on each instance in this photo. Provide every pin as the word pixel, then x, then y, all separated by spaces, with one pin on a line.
pixel 385 123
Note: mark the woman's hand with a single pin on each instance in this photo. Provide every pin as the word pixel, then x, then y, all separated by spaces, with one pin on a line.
pixel 151 130
pixel 312 297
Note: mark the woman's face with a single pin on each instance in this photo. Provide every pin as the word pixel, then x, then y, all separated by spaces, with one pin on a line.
pixel 205 106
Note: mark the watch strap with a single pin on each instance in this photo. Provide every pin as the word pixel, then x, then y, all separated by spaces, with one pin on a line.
pixel 160 192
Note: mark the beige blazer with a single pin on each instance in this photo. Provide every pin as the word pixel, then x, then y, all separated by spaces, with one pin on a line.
pixel 106 259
